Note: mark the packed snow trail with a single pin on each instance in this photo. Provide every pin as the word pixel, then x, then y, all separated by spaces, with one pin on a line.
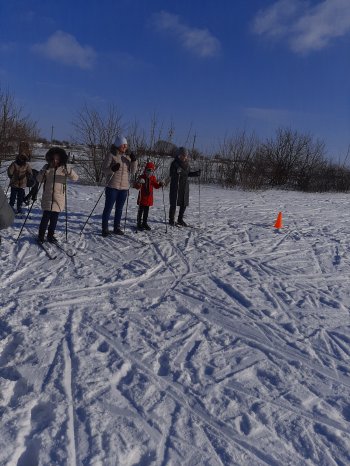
pixel 227 344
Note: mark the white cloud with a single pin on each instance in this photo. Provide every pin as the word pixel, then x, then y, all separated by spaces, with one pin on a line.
pixel 276 20
pixel 199 41
pixel 306 27
pixel 64 48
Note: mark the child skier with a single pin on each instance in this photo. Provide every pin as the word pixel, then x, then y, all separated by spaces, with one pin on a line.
pixel 18 172
pixel 145 184
pixel 54 178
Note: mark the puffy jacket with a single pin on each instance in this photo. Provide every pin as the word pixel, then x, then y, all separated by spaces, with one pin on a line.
pixel 18 174
pixel 54 181
pixel 120 178
pixel 145 196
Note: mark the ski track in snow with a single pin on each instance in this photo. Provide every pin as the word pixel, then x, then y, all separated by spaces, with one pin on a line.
pixel 227 344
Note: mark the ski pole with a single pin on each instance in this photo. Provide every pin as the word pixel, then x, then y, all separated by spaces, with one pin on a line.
pixel 53 188
pixel 177 193
pixel 126 209
pixel 25 220
pixel 166 223
pixel 98 200
pixel 65 196
pixel 199 198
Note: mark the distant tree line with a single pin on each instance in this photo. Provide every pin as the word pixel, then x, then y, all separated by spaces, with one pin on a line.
pixel 289 160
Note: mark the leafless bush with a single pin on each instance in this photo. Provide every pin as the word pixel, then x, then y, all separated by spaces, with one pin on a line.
pixel 291 159
pixel 237 155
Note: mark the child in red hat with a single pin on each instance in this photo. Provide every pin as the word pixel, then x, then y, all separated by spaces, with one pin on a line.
pixel 145 184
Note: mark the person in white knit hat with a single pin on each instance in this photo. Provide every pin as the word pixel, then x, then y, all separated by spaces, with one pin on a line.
pixel 117 166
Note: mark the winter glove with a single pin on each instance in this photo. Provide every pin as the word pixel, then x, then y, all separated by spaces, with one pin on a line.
pixel 115 166
pixel 141 181
pixel 133 157
pixel 161 184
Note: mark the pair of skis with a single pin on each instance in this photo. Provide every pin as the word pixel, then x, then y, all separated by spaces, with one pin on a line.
pixel 51 249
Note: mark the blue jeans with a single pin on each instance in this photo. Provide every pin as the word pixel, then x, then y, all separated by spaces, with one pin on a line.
pixel 115 197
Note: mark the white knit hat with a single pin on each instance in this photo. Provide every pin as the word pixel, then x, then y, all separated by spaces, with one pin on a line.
pixel 120 140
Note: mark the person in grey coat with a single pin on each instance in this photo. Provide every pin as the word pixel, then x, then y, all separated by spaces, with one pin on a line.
pixel 179 186
pixel 7 214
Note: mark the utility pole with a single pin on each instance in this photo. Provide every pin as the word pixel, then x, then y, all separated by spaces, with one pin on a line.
pixel 51 134
pixel 194 142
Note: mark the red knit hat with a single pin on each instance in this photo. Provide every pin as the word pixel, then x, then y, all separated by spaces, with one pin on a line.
pixel 150 166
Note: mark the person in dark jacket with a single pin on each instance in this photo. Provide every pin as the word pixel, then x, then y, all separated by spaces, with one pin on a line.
pixel 179 185
pixel 145 184
pixel 18 172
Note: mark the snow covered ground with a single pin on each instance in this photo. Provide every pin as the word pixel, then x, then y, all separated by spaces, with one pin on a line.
pixel 227 344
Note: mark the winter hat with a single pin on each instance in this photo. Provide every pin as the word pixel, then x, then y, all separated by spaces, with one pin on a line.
pixel 150 166
pixel 181 151
pixel 60 152
pixel 24 149
pixel 22 159
pixel 120 140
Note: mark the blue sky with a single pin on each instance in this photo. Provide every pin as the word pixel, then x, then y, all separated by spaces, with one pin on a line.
pixel 214 66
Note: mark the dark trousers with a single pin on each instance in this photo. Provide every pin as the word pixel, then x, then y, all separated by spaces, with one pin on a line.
pixel 115 197
pixel 142 215
pixel 48 219
pixel 18 193
pixel 172 212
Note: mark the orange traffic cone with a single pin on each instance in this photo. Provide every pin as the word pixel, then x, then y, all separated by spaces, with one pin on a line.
pixel 279 223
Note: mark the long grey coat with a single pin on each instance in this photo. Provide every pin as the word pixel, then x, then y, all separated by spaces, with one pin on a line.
pixel 7 214
pixel 179 192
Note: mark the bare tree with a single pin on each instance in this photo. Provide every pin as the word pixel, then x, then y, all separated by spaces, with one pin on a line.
pixel 290 156
pixel 14 126
pixel 96 131
pixel 154 144
pixel 311 162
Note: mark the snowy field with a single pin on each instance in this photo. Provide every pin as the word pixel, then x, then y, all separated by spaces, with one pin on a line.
pixel 227 343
